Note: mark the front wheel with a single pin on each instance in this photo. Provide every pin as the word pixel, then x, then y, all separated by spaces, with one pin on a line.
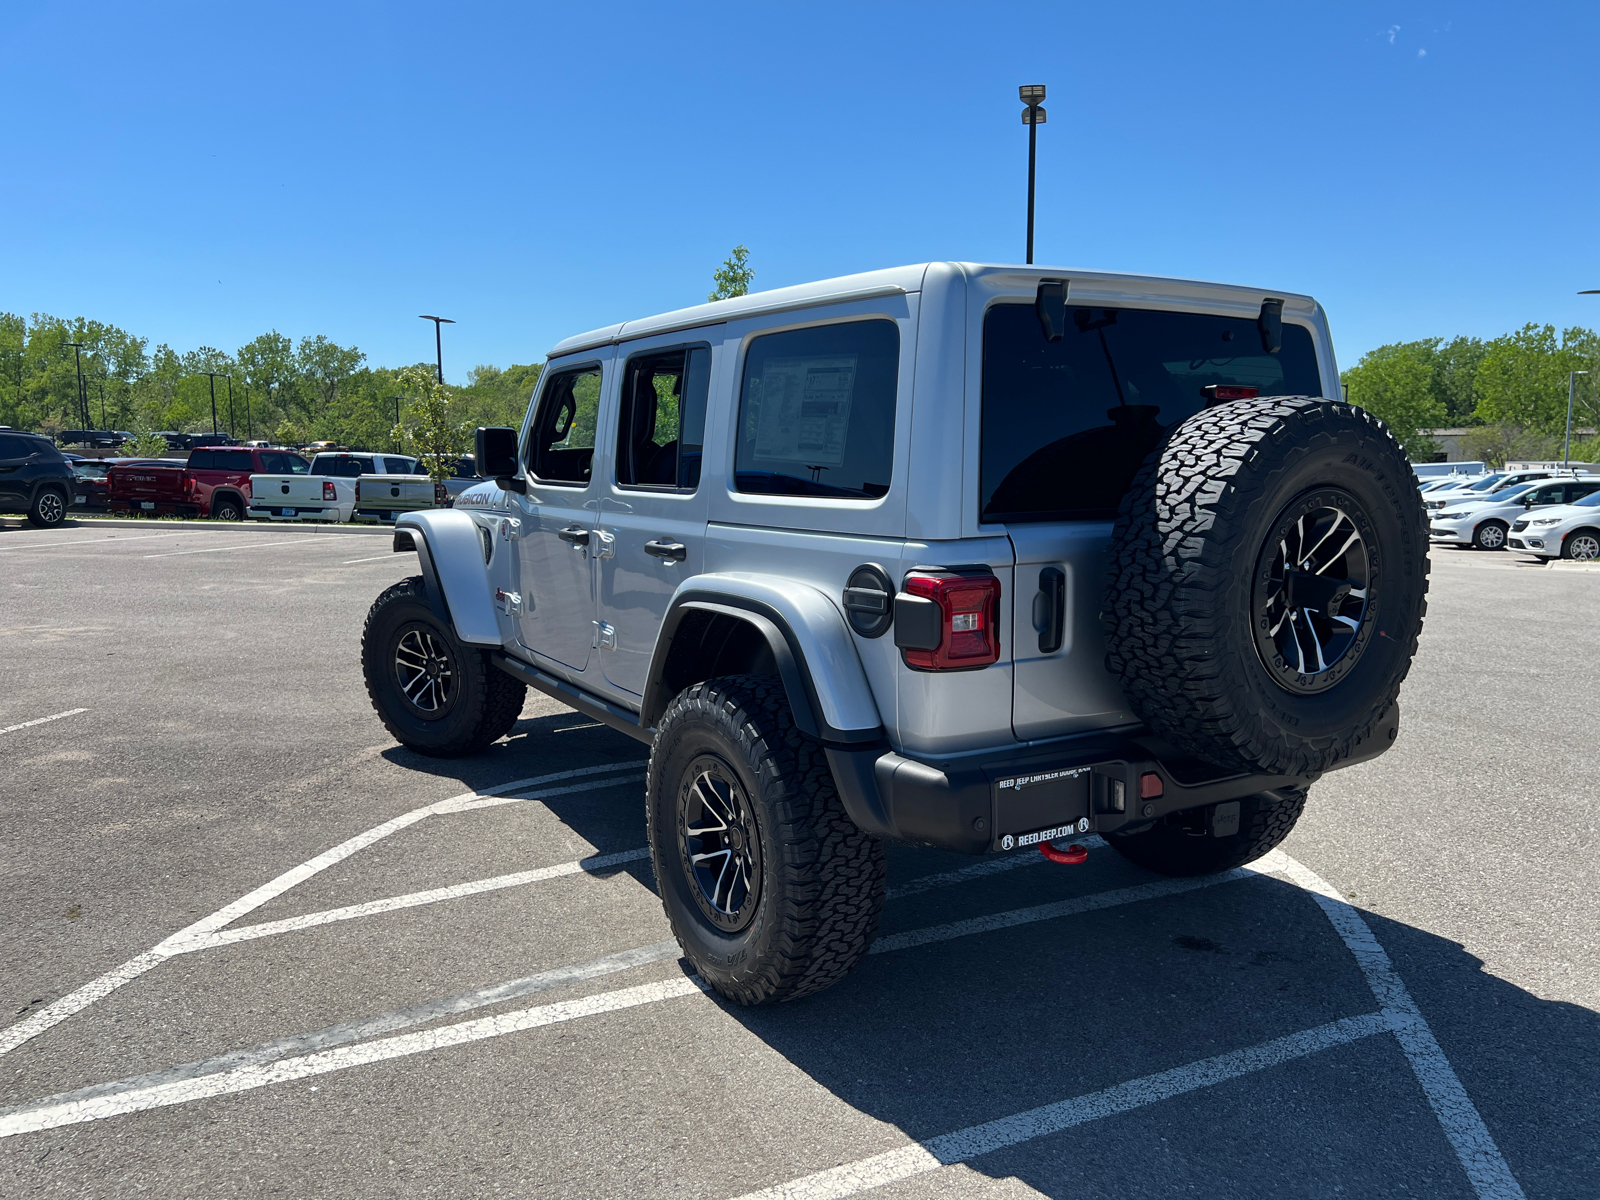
pixel 433 694
pixel 1491 535
pixel 49 509
pixel 771 890
pixel 1183 843
pixel 1582 545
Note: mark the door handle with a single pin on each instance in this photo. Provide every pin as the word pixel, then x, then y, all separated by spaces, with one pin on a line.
pixel 1050 609
pixel 671 551
pixel 576 534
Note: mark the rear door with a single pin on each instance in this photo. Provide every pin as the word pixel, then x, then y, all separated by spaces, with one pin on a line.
pixel 1065 426
pixel 14 487
pixel 559 512
pixel 651 533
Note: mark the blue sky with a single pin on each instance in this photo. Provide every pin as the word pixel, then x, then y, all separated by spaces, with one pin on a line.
pixel 201 173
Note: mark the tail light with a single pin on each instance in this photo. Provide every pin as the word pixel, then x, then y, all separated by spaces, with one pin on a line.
pixel 358 489
pixel 948 622
pixel 441 494
pixel 1216 393
pixel 328 492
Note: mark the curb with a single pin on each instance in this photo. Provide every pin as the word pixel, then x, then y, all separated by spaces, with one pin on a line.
pixel 229 526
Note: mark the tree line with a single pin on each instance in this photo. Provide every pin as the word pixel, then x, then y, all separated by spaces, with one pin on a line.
pixel 285 393
pixel 1509 392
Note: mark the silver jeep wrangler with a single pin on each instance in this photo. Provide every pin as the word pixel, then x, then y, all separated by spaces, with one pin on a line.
pixel 970 557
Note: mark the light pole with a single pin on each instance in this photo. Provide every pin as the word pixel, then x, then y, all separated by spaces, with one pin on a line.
pixel 395 437
pixel 1032 94
pixel 83 398
pixel 249 429
pixel 230 406
pixel 438 343
pixel 213 375
pixel 1566 449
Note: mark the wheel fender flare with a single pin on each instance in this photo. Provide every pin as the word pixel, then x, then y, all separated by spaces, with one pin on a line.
pixel 219 494
pixel 450 552
pixel 827 686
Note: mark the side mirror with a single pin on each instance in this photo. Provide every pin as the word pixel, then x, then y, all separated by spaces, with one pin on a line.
pixel 1050 303
pixel 496 456
pixel 1270 323
pixel 1527 501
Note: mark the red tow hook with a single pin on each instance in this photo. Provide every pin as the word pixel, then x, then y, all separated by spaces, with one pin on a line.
pixel 1071 856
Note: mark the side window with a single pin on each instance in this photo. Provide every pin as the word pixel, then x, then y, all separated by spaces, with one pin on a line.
pixel 13 447
pixel 1577 491
pixel 663 419
pixel 322 465
pixel 200 460
pixel 816 411
pixel 1549 495
pixel 561 443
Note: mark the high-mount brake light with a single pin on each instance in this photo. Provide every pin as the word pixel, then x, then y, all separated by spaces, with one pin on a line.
pixel 969 626
pixel 1217 393
pixel 327 489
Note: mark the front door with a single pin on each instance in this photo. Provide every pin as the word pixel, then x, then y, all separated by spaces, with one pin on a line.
pixel 558 512
pixel 651 534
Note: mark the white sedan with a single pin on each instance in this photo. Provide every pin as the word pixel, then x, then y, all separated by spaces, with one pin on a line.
pixel 1571 531
pixel 1486 523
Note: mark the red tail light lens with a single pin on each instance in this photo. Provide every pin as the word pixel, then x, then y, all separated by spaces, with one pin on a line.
pixel 969 607
pixel 329 494
pixel 1216 393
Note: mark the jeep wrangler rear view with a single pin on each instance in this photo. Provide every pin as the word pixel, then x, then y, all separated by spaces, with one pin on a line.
pixel 971 557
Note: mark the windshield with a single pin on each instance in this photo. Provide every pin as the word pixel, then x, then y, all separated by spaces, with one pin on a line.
pixel 276 462
pixel 1485 483
pixel 1592 500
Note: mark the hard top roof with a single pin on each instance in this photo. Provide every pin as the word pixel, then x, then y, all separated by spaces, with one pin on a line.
pixel 893 280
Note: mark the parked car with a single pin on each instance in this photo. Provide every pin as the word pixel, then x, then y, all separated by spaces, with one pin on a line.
pixel 35 479
pixel 93 492
pixel 102 439
pixel 324 491
pixel 215 482
pixel 1485 523
pixel 211 439
pixel 864 578
pixel 464 476
pixel 1486 486
pixel 383 498
pixel 1571 531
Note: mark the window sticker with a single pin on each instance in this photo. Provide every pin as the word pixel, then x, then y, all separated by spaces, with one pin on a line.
pixel 805 409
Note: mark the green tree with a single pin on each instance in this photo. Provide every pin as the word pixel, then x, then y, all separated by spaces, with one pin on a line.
pixel 323 365
pixel 1396 383
pixel 1456 365
pixel 1522 379
pixel 733 277
pixel 432 431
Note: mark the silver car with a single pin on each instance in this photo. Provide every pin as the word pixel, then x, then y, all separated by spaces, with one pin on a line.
pixel 1571 531
pixel 1484 524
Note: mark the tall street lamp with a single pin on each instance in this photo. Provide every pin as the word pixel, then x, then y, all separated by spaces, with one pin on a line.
pixel 1032 94
pixel 83 397
pixel 438 344
pixel 230 406
pixel 1566 450
pixel 395 437
pixel 213 375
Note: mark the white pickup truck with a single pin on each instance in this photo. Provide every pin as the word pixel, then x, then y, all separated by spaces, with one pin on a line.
pixel 327 492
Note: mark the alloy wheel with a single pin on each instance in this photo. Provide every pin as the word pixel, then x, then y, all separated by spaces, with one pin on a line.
pixel 719 843
pixel 1315 582
pixel 425 671
pixel 1585 547
pixel 51 508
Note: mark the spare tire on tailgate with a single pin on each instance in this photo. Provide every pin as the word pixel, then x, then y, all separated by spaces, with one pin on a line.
pixel 1268 581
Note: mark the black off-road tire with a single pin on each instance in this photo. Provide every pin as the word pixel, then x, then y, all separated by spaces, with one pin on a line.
pixel 484 705
pixel 821 879
pixel 1482 539
pixel 1203 515
pixel 49 509
pixel 1179 844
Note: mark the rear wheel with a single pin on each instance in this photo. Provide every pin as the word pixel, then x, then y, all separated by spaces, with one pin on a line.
pixel 49 509
pixel 227 509
pixel 771 889
pixel 1491 535
pixel 1183 843
pixel 1582 545
pixel 435 695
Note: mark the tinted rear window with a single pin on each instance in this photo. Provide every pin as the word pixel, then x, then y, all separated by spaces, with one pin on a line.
pixel 816 412
pixel 1066 424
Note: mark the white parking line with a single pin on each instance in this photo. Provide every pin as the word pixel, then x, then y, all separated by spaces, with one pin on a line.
pixel 142 537
pixel 220 549
pixel 249 1078
pixel 53 1014
pixel 598 862
pixel 374 558
pixel 71 712
pixel 366 1027
pixel 921 1157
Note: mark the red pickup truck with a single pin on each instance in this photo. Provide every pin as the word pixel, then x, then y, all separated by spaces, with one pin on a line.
pixel 215 482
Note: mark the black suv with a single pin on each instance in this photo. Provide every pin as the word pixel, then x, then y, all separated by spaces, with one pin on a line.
pixel 34 478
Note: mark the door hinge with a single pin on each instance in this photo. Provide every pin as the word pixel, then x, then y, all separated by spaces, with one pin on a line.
pixel 605 636
pixel 509 603
pixel 608 544
pixel 510 528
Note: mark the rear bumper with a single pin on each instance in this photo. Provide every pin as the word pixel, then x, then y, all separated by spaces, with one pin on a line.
pixel 155 508
pixel 1089 784
pixel 269 512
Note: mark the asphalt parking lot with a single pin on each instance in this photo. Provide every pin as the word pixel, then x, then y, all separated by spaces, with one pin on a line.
pixel 253 948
